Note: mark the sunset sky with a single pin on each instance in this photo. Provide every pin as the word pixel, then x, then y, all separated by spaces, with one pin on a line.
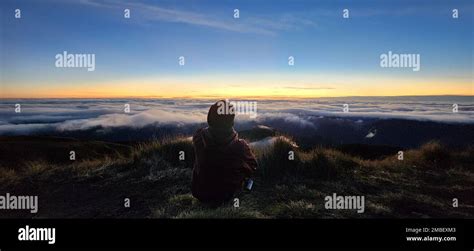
pixel 245 57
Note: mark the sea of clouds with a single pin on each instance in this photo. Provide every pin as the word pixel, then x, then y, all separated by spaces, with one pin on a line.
pixel 61 115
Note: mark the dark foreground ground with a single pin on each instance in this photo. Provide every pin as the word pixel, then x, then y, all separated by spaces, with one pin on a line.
pixel 157 182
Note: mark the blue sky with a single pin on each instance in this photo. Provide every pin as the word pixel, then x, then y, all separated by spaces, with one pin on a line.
pixel 328 50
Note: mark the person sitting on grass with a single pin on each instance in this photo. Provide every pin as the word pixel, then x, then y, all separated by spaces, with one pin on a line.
pixel 223 161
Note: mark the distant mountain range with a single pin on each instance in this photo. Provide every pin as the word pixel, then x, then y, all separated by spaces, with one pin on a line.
pixel 328 131
pixel 390 132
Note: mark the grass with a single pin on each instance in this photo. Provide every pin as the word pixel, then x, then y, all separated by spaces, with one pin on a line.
pixel 158 184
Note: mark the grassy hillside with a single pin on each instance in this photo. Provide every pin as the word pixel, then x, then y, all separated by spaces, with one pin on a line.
pixel 158 184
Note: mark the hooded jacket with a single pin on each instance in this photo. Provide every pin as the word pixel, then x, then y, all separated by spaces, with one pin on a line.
pixel 223 162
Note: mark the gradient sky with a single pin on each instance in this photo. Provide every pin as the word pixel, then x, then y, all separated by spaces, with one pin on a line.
pixel 244 57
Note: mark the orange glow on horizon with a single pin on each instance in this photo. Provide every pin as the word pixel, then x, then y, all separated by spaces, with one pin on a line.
pixel 214 90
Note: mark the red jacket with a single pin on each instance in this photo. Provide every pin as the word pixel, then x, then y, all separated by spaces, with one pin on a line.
pixel 221 165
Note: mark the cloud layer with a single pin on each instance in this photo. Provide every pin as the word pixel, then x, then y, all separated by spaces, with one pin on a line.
pixel 73 115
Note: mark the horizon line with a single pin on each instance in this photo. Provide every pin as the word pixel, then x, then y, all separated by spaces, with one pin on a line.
pixel 242 97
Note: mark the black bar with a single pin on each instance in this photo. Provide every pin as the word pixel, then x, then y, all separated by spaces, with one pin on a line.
pixel 169 233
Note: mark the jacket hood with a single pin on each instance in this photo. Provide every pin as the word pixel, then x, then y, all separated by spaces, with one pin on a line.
pixel 219 136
